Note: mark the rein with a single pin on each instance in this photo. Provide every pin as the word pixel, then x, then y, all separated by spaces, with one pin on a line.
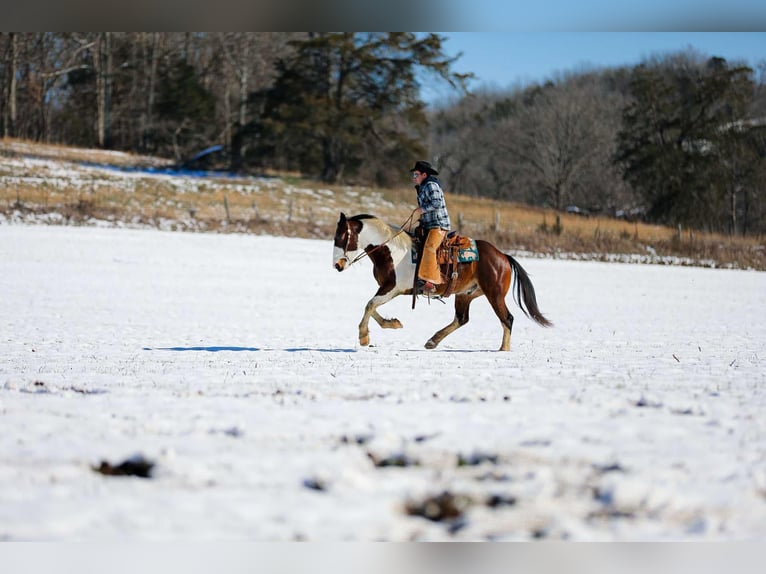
pixel 366 253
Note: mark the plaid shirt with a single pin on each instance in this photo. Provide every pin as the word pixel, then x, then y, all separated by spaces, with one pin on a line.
pixel 431 201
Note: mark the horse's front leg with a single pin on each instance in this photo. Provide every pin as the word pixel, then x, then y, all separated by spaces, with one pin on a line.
pixel 370 310
pixel 392 323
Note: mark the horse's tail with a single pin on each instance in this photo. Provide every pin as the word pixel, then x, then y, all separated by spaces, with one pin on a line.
pixel 524 293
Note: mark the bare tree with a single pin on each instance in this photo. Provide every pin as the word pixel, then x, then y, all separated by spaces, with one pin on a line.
pixel 555 139
pixel 248 60
pixel 465 150
pixel 151 59
pixel 12 64
pixel 103 64
pixel 237 48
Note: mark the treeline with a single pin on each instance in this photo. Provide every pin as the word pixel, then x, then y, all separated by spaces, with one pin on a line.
pixel 155 93
pixel 339 106
pixel 678 139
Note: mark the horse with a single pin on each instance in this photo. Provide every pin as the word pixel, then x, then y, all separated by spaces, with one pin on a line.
pixel 389 249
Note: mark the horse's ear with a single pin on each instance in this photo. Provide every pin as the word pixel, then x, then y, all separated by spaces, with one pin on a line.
pixel 342 217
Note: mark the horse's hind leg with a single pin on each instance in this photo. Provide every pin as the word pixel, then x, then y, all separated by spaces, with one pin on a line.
pixel 507 324
pixel 506 319
pixel 462 304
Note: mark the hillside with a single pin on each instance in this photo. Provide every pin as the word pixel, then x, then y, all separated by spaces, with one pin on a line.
pixel 49 184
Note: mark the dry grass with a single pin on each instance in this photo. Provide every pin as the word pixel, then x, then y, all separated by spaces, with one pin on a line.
pixel 284 204
pixel 10 147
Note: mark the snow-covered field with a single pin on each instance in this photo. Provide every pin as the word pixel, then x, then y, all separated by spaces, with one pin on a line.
pixel 231 363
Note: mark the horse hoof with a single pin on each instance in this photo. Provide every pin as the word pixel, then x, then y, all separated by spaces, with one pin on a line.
pixel 430 344
pixel 364 341
pixel 395 324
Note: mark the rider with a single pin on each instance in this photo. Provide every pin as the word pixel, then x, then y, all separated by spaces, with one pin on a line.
pixel 434 217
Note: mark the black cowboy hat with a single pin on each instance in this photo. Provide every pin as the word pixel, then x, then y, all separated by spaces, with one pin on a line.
pixel 424 167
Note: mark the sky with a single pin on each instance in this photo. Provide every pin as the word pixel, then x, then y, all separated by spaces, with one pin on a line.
pixel 506 59
pixel 603 15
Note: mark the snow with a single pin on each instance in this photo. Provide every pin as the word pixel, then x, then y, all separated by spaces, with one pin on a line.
pixel 231 362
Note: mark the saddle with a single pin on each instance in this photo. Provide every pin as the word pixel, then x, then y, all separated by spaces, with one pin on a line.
pixel 454 249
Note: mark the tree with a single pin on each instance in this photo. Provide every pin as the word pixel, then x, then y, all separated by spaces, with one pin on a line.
pixel 149 63
pixel 185 110
pixel 557 136
pixel 11 81
pixel 246 65
pixel 465 137
pixel 740 152
pixel 673 137
pixel 344 98
pixel 102 61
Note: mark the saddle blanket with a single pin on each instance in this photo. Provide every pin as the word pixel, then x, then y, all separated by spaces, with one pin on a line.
pixel 464 247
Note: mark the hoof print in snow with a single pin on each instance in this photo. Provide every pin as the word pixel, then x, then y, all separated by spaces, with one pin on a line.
pixel 642 402
pixel 605 468
pixel 397 459
pixel 494 476
pixel 608 508
pixel 234 432
pixel 359 439
pixel 135 466
pixel 442 507
pixel 475 459
pixel 315 484
pixel 425 437
pixel 498 500
pixel 536 442
pixel 37 388
pixel 684 412
pixel 84 391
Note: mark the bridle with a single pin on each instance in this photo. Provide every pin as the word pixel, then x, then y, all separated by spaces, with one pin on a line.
pixel 365 252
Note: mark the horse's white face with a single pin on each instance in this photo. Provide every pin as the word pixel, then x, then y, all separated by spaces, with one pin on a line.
pixel 346 242
pixel 354 235
pixel 339 258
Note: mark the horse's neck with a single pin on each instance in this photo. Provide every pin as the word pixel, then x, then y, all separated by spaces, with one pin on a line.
pixel 375 233
pixel 381 233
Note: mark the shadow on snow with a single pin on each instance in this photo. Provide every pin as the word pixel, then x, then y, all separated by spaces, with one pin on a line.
pixel 217 348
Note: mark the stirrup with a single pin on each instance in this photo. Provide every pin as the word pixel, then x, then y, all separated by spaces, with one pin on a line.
pixel 426 287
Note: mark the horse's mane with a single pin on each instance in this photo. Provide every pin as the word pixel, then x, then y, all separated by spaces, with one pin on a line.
pixel 398 236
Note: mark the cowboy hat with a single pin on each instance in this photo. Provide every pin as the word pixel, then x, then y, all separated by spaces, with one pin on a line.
pixel 424 167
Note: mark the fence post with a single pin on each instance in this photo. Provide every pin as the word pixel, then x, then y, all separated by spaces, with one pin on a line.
pixel 558 228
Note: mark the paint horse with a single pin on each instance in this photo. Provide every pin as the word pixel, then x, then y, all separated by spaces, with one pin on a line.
pixel 390 250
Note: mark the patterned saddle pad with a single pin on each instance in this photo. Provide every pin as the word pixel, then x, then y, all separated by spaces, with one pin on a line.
pixel 454 246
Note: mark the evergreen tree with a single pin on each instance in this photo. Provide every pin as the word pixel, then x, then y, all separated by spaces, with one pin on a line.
pixel 185 111
pixel 674 136
pixel 345 99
